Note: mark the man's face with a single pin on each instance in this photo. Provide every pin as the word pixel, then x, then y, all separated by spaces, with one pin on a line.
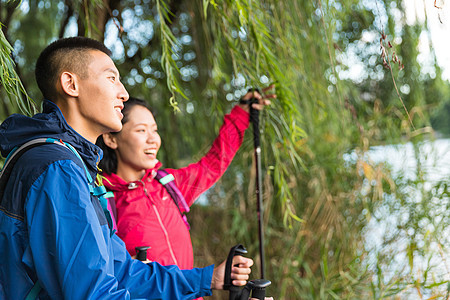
pixel 101 96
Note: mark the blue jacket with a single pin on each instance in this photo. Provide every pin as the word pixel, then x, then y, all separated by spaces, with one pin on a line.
pixel 54 231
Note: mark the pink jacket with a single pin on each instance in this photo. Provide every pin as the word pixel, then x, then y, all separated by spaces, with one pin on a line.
pixel 146 213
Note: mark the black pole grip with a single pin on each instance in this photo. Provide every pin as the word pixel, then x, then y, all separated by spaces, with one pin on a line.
pixel 254 119
pixel 141 253
pixel 254 116
pixel 259 288
pixel 255 287
pixel 234 290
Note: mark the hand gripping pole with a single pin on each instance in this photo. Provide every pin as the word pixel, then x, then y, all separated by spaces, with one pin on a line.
pixel 255 287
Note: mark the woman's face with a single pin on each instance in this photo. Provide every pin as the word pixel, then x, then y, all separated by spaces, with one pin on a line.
pixel 137 144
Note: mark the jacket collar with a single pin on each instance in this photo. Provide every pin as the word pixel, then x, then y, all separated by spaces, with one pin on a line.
pixel 116 183
pixel 90 152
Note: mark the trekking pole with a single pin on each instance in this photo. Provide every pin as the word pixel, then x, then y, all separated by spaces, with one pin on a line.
pixel 254 118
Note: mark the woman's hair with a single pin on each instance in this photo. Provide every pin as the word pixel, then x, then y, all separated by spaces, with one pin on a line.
pixel 108 164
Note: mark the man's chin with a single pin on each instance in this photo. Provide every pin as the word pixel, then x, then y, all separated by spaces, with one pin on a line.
pixel 115 128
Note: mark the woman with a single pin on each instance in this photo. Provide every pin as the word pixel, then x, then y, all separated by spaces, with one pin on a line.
pixel 146 213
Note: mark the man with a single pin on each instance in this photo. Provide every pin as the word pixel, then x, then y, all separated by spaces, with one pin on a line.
pixel 55 241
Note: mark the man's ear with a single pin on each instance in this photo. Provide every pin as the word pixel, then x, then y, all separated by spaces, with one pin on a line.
pixel 69 84
pixel 110 140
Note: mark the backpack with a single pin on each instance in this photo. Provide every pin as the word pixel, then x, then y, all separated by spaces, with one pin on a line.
pixel 168 181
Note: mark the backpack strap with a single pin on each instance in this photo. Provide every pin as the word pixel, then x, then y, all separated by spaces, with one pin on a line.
pixel 11 159
pixel 112 204
pixel 34 292
pixel 168 181
pixel 112 208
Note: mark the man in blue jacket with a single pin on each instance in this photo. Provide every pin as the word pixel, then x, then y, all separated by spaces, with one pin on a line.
pixel 55 242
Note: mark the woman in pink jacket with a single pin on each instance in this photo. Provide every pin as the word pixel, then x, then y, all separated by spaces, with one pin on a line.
pixel 146 214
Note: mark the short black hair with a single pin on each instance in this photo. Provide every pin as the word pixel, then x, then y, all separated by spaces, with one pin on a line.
pixel 67 54
pixel 108 164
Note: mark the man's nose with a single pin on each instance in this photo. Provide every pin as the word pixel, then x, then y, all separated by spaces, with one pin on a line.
pixel 123 94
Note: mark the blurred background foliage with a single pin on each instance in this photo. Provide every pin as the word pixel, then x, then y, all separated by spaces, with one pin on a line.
pixel 349 77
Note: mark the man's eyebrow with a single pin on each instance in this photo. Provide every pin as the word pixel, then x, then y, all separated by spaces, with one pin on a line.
pixel 112 71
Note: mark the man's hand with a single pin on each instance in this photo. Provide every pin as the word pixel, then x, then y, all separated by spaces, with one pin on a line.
pixel 263 100
pixel 239 273
pixel 147 261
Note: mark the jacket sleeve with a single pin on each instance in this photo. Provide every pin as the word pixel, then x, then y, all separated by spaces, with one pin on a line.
pixel 157 281
pixel 74 256
pixel 196 178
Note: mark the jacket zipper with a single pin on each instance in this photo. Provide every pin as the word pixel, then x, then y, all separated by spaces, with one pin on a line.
pixel 161 224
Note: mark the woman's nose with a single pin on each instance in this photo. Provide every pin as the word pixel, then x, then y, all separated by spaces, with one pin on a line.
pixel 151 137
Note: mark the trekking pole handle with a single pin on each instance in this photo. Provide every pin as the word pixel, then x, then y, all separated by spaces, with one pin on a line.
pixel 228 285
pixel 254 116
pixel 141 253
pixel 258 287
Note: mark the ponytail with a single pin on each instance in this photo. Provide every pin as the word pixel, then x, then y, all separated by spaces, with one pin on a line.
pixel 108 164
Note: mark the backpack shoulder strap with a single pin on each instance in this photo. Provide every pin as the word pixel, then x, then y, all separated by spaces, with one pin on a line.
pixel 12 158
pixel 168 181
pixel 34 292
pixel 17 152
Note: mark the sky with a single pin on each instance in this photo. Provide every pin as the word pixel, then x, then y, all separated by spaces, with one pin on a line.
pixel 417 11
pixel 438 19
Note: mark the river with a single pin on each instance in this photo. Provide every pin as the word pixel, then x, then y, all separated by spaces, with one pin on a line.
pixel 390 231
